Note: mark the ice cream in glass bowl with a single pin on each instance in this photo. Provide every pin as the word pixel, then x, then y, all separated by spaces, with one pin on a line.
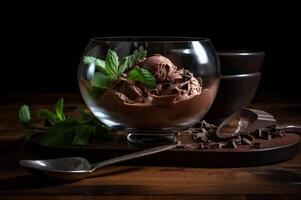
pixel 149 87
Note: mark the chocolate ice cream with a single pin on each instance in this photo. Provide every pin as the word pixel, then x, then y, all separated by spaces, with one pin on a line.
pixel 172 84
pixel 160 66
pixel 177 102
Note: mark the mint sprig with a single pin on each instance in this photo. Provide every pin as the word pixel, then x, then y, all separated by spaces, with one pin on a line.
pixel 143 76
pixel 112 67
pixel 64 130
pixel 56 116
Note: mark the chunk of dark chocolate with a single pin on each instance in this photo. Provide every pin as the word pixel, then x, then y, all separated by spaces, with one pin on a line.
pixel 257 145
pixel 200 137
pixel 231 144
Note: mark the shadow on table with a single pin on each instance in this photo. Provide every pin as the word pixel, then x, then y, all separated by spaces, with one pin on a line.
pixel 26 182
pixel 23 182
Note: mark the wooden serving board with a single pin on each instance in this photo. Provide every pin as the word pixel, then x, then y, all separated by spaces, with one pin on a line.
pixel 272 151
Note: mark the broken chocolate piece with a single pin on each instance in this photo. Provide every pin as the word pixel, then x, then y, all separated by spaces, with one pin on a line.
pixel 192 146
pixel 257 145
pixel 200 137
pixel 231 144
pixel 202 146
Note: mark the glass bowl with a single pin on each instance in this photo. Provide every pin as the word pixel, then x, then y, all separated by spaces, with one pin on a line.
pixel 149 86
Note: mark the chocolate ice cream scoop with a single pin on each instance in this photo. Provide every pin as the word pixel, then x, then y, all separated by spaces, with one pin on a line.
pixel 160 66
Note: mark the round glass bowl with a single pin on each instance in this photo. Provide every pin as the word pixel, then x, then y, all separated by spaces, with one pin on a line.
pixel 149 86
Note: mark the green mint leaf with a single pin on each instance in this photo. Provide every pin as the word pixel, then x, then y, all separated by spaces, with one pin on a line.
pixel 24 115
pixel 61 133
pixel 88 60
pixel 139 55
pixel 130 60
pixel 82 134
pixel 83 115
pixel 100 64
pixel 59 109
pixel 57 137
pixel 103 133
pixel 143 76
pixel 142 53
pixel 112 63
pixel 124 64
pixel 100 81
pixel 45 114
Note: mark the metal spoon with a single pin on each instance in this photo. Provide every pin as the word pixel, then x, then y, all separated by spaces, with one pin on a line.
pixel 76 168
pixel 255 119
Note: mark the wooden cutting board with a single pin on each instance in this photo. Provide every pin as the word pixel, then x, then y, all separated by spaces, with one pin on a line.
pixel 272 151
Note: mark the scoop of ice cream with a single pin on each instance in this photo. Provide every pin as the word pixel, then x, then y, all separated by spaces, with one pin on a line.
pixel 173 84
pixel 160 66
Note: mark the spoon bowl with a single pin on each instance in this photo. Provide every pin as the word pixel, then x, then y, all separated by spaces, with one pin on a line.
pixel 69 168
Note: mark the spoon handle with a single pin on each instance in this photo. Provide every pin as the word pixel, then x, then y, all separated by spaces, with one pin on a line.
pixel 133 155
pixel 291 128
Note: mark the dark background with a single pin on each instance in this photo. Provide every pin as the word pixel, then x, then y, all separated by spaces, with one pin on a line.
pixel 42 44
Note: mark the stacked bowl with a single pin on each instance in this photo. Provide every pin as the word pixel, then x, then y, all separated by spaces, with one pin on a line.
pixel 240 77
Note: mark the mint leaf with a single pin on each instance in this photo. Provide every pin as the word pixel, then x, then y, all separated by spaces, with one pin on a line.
pixel 59 109
pixel 24 115
pixel 142 54
pixel 112 62
pixel 82 134
pixel 61 133
pixel 56 137
pixel 125 63
pixel 100 64
pixel 143 76
pixel 100 81
pixel 46 115
pixel 139 55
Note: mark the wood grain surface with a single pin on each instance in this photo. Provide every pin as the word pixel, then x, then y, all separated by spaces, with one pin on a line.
pixel 277 181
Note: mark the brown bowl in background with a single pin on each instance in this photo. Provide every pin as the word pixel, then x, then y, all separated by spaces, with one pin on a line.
pixel 240 62
pixel 235 92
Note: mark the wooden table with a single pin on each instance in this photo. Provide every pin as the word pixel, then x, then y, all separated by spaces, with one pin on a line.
pixel 278 181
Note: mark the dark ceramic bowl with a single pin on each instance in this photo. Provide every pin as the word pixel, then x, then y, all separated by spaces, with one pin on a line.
pixel 240 62
pixel 235 92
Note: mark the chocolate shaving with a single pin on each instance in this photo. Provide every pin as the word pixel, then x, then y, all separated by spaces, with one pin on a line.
pixel 200 137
